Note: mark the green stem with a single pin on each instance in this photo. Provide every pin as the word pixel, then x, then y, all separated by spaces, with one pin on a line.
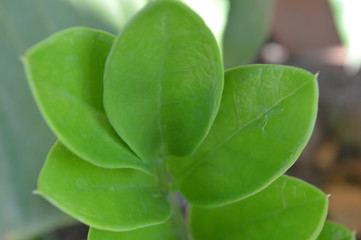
pixel 177 219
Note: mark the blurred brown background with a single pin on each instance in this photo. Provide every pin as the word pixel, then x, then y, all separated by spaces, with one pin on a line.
pixel 304 35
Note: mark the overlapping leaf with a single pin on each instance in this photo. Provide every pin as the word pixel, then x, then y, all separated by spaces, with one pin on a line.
pixel 333 231
pixel 163 81
pixel 266 118
pixel 111 199
pixel 66 75
pixel 288 209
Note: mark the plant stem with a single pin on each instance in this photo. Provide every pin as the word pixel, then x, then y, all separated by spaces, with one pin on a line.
pixel 177 220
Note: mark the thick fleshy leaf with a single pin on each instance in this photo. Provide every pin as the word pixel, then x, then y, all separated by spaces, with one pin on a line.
pixel 266 117
pixel 170 230
pixel 333 231
pixel 289 209
pixel 110 199
pixel 163 81
pixel 65 72
pixel 249 23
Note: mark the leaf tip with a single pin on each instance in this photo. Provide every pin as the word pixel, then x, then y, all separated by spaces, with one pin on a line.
pixel 317 74
pixel 22 59
pixel 36 192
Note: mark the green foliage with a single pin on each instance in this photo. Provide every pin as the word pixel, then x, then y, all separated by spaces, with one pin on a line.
pixel 72 106
pixel 252 142
pixel 163 87
pixel 172 87
pixel 274 213
pixel 333 231
pixel 113 199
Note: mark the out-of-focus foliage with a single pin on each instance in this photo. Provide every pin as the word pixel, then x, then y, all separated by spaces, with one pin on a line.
pixel 347 17
pixel 113 12
pixel 214 13
pixel 116 12
pixel 24 137
pixel 249 22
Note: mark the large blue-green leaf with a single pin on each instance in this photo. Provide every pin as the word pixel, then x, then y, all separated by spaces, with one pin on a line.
pixel 24 137
pixel 289 209
pixel 163 81
pixel 265 120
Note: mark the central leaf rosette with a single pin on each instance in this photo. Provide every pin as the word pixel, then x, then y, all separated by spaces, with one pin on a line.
pixel 122 105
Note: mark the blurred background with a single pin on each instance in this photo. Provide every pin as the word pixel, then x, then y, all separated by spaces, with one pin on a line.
pixel 318 35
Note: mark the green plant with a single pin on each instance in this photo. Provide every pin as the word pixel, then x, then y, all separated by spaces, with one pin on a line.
pixel 153 104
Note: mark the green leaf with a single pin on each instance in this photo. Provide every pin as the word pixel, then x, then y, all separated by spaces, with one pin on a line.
pixel 163 81
pixel 165 231
pixel 65 72
pixel 249 23
pixel 109 199
pixel 266 118
pixel 333 231
pixel 289 209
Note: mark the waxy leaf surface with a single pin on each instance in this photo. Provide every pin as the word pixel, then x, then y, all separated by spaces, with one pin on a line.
pixel 333 231
pixel 266 118
pixel 169 230
pixel 163 81
pixel 289 209
pixel 66 76
pixel 111 199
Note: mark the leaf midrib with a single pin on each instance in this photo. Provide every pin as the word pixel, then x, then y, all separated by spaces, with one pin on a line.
pixel 204 157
